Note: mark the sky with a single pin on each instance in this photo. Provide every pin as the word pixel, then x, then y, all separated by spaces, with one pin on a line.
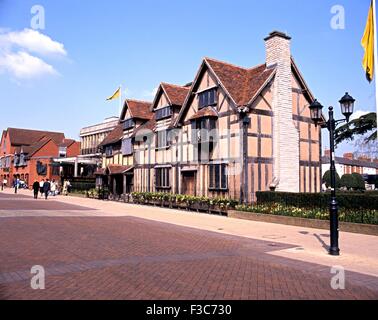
pixel 57 77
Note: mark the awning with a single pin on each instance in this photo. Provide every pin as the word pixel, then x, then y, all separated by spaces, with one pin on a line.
pixel 161 166
pixel 113 169
pixel 189 169
pixel 207 112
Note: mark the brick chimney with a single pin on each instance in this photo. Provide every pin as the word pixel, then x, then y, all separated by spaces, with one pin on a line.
pixel 348 155
pixel 286 137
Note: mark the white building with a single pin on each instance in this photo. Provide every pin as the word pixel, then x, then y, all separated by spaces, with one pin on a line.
pixel 350 164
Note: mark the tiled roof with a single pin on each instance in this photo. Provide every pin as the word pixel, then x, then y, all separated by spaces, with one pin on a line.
pixel 176 94
pixel 148 126
pixel 118 169
pixel 241 83
pixel 26 137
pixel 113 136
pixel 24 149
pixel 140 109
pixel 351 162
pixel 37 146
pixel 205 112
pixel 66 142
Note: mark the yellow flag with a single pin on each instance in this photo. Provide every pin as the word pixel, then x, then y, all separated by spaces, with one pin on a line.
pixel 367 43
pixel 115 95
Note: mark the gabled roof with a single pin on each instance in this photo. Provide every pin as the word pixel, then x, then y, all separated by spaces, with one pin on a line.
pixel 113 136
pixel 175 94
pixel 38 145
pixel 67 143
pixel 138 109
pixel 240 84
pixel 26 137
pixel 303 83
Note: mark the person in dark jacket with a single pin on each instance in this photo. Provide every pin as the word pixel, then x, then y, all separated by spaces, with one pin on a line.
pixel 36 189
pixel 46 188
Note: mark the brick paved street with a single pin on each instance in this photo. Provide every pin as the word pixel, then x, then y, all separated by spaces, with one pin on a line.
pixel 89 254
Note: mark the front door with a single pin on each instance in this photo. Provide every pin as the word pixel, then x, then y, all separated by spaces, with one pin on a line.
pixel 189 183
pixel 129 183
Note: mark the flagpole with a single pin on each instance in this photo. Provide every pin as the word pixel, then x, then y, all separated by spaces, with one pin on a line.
pixel 120 99
pixel 375 56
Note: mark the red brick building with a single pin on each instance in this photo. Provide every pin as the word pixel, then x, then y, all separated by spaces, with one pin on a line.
pixel 28 154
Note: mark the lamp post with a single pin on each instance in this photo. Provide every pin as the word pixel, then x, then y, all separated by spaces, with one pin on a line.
pixel 347 105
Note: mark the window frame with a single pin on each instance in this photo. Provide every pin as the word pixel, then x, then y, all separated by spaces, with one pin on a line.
pixel 218 177
pixel 158 135
pixel 131 146
pixel 163 178
pixel 130 122
pixel 204 98
pixel 109 151
pixel 160 113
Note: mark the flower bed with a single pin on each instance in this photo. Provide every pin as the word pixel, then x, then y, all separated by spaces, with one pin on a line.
pixel 365 216
pixel 185 202
pixel 97 193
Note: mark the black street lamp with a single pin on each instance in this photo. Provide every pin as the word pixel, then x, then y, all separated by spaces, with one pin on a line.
pixel 347 105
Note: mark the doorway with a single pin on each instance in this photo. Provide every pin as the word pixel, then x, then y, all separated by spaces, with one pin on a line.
pixel 189 183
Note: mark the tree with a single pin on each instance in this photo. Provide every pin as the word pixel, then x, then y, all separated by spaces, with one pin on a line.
pixel 327 179
pixel 366 124
pixel 347 181
pixel 359 182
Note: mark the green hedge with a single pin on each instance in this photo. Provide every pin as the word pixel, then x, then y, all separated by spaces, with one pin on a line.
pixel 348 200
pixel 366 216
pixel 150 197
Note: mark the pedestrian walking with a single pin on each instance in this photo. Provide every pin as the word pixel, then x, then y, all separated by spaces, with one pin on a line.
pixel 41 187
pixel 5 182
pixel 36 189
pixel 66 187
pixel 46 188
pixel 16 184
pixel 53 188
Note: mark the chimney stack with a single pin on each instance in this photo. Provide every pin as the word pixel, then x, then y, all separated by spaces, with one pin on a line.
pixel 286 136
pixel 348 155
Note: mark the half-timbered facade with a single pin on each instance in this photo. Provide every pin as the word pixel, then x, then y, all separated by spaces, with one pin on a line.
pixel 231 132
pixel 117 170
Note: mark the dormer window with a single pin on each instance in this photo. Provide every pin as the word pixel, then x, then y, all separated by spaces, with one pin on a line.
pixel 62 152
pixel 128 124
pixel 22 160
pixel 207 98
pixel 162 113
pixel 109 151
pixel 16 160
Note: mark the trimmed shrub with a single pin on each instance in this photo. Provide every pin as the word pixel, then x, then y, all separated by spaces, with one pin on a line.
pixel 359 182
pixel 348 181
pixel 348 200
pixel 346 215
pixel 327 179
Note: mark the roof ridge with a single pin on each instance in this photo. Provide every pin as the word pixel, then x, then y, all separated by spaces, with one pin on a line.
pixel 175 85
pixel 136 100
pixel 257 66
pixel 227 63
pixel 37 130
